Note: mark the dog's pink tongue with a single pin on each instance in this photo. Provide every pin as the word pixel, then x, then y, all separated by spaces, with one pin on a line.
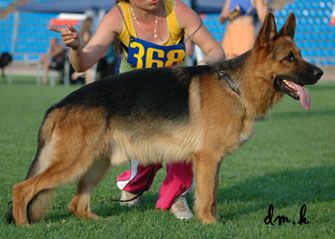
pixel 303 96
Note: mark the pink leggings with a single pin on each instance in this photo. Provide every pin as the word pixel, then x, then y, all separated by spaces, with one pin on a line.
pixel 139 178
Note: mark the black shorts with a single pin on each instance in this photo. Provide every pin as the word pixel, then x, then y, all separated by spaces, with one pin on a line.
pixel 54 65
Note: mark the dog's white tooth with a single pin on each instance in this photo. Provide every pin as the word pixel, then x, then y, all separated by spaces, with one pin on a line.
pixel 286 82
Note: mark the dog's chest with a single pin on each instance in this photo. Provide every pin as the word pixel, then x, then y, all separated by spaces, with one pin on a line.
pixel 244 137
pixel 246 130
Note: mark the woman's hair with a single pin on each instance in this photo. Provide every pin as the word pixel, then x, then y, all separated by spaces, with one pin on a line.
pixel 86 29
pixel 86 25
pixel 117 43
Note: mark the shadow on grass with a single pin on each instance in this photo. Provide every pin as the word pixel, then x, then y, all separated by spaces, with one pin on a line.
pixel 322 87
pixel 282 189
pixel 24 80
pixel 105 207
pixel 299 114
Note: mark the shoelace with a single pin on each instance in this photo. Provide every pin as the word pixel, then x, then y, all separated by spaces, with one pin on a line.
pixel 181 204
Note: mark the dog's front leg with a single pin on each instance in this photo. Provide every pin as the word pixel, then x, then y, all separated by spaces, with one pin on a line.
pixel 206 168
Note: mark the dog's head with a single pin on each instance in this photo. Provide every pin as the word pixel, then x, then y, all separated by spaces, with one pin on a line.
pixel 289 71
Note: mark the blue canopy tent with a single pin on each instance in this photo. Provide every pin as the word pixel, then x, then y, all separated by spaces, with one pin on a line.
pixel 203 6
pixel 68 6
pixel 207 6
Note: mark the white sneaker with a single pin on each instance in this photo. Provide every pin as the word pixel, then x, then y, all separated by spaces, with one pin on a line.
pixel 180 209
pixel 128 196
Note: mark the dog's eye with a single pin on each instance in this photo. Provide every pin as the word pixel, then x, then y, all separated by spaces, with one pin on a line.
pixel 290 57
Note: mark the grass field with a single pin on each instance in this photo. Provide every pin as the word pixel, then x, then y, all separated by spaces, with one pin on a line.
pixel 290 161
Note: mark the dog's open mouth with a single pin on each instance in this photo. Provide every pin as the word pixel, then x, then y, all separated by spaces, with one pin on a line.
pixel 294 90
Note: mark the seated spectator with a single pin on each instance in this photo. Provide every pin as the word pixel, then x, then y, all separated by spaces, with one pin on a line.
pixel 5 59
pixel 85 34
pixel 53 60
pixel 110 63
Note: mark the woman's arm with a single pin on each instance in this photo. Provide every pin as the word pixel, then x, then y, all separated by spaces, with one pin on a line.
pixel 198 33
pixel 83 58
pixel 225 11
pixel 261 8
pixel 56 51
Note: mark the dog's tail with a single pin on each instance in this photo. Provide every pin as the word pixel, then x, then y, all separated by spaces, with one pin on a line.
pixel 38 206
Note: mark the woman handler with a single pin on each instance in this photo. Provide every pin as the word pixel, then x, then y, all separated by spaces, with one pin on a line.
pixel 152 34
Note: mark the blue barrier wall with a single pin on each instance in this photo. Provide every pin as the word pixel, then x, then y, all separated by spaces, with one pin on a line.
pixel 314 35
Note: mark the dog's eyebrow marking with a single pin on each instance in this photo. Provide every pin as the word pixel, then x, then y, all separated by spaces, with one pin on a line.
pixel 280 50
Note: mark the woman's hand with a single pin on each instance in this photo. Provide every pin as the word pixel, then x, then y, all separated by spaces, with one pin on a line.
pixel 70 36
pixel 225 13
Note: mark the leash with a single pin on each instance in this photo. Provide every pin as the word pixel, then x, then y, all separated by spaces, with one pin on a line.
pixel 231 83
pixel 139 194
pixel 128 200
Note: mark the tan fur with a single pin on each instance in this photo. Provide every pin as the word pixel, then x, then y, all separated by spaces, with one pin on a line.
pixel 81 144
pixel 169 142
pixel 39 205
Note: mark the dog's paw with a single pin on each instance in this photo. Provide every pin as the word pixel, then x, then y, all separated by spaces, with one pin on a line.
pixel 9 216
pixel 208 220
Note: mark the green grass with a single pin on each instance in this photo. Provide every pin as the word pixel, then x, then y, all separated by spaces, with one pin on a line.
pixel 288 162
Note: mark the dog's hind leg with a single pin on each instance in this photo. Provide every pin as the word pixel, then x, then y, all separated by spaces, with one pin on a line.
pixel 206 168
pixel 80 204
pixel 70 141
pixel 68 167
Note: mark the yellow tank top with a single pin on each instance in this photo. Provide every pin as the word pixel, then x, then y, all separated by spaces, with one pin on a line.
pixel 153 55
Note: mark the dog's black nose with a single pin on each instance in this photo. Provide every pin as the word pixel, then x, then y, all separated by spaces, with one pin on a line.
pixel 317 72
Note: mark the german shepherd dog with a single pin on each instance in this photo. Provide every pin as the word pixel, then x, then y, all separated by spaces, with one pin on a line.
pixel 193 114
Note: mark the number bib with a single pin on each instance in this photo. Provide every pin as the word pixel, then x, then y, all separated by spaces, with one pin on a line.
pixel 145 54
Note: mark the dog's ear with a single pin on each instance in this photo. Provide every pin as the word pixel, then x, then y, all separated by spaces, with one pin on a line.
pixel 289 28
pixel 267 32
